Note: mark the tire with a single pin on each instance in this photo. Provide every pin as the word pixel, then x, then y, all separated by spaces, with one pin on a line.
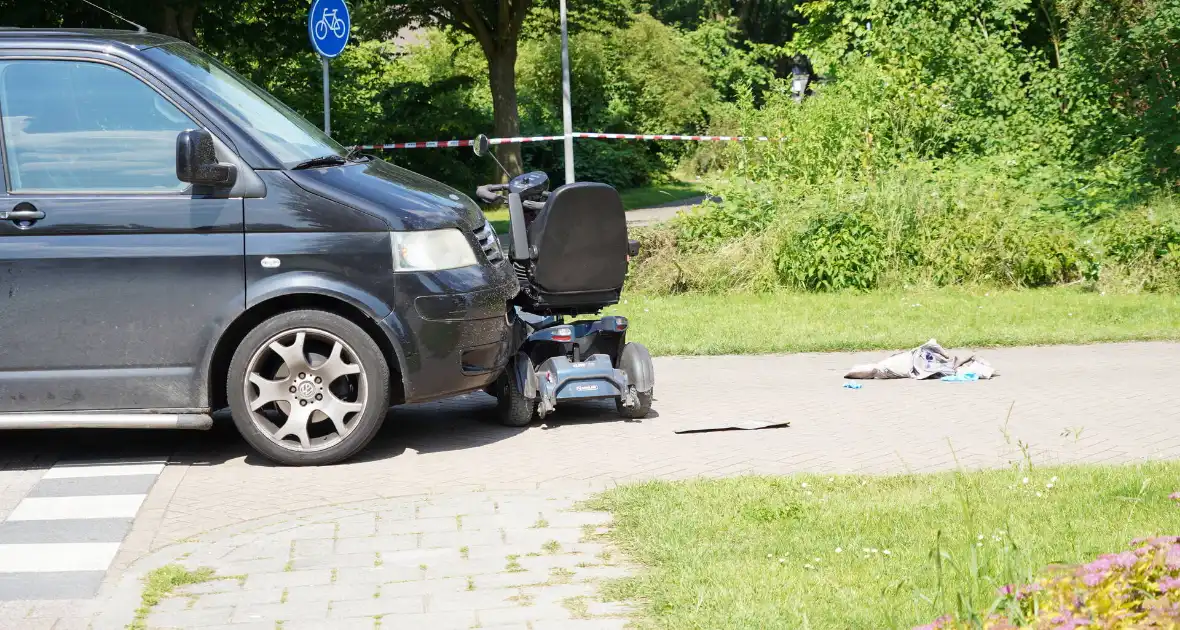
pixel 636 362
pixel 636 413
pixel 338 396
pixel 513 409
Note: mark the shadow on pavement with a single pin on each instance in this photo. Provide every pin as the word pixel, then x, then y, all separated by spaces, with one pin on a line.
pixel 42 449
pixel 458 423
pixel 469 421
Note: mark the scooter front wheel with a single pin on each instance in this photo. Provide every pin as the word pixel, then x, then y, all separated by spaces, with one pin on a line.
pixel 513 408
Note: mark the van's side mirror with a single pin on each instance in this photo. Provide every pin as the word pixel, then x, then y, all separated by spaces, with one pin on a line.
pixel 196 161
pixel 482 145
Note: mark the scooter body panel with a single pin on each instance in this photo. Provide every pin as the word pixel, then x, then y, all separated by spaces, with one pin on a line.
pixel 558 377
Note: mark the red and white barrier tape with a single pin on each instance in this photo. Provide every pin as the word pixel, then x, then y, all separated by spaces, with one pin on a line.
pixel 439 144
pixel 639 136
pixel 442 144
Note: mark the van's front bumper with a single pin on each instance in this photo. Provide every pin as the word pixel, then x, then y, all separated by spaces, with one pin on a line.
pixel 452 330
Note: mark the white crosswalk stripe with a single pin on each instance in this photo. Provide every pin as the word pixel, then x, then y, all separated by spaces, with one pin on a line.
pixel 57 508
pixel 104 470
pixel 45 558
pixel 64 534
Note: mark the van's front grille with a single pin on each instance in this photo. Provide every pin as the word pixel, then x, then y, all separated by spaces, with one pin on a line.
pixel 488 243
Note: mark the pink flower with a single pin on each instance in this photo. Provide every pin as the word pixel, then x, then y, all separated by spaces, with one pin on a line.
pixel 937 624
pixel 1175 496
pixel 1025 591
pixel 1104 563
pixel 1067 621
pixel 1169 584
pixel 1126 559
pixel 1157 541
pixel 1007 590
pixel 1093 579
pixel 1172 560
pixel 1160 611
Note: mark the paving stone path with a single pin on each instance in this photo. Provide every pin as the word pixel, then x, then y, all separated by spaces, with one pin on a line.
pixel 472 560
pixel 450 478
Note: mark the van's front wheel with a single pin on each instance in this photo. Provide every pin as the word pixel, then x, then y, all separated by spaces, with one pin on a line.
pixel 308 388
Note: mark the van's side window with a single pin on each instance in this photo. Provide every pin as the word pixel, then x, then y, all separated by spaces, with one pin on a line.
pixel 74 126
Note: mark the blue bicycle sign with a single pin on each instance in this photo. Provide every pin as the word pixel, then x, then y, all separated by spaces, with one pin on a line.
pixel 328 24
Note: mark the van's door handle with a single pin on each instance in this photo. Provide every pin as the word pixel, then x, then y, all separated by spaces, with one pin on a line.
pixel 23 213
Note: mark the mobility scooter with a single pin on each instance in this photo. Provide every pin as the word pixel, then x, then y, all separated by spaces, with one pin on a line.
pixel 570 251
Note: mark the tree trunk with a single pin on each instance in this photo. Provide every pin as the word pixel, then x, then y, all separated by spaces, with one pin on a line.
pixel 506 117
pixel 167 22
pixel 186 22
pixel 178 19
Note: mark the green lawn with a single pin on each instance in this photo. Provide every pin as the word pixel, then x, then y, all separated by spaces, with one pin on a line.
pixel 633 199
pixel 752 324
pixel 864 552
pixel 656 195
pixel 498 218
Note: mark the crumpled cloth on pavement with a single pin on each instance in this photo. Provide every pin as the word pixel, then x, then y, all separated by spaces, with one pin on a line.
pixel 928 360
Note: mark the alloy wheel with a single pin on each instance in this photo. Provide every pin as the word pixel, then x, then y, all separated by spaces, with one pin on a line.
pixel 305 389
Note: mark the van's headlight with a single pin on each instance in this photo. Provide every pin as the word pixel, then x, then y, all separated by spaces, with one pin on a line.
pixel 431 250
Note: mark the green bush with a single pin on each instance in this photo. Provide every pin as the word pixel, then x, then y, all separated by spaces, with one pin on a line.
pixel 836 249
pixel 747 208
pixel 1141 248
pixel 864 123
pixel 1141 234
pixel 923 227
pixel 918 225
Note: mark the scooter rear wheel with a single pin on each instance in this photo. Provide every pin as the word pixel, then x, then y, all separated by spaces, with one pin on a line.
pixel 635 360
pixel 639 411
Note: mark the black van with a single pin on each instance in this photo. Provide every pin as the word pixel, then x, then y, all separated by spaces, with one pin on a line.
pixel 174 240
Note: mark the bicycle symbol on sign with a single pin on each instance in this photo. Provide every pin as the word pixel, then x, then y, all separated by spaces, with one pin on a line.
pixel 329 22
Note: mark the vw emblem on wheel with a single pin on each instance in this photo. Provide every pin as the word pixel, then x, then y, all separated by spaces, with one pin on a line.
pixel 306 390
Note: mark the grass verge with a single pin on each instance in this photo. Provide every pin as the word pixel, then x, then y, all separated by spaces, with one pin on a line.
pixel 159 584
pixel 753 324
pixel 869 552
pixel 657 195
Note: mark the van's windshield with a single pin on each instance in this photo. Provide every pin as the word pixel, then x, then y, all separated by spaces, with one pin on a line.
pixel 290 137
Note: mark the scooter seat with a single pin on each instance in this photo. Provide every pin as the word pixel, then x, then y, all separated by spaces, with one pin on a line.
pixel 578 251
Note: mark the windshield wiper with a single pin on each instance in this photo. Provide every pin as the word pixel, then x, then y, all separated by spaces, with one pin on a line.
pixel 323 160
pixel 355 155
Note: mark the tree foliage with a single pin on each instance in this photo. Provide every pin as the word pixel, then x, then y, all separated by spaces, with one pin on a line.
pixel 495 26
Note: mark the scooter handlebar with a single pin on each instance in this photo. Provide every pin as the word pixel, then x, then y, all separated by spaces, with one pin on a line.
pixel 490 193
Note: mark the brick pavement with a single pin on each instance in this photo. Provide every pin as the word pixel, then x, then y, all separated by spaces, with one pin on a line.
pixel 507 559
pixel 1102 404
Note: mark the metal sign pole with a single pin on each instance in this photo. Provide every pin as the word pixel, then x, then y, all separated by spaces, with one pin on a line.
pixel 566 107
pixel 328 25
pixel 327 100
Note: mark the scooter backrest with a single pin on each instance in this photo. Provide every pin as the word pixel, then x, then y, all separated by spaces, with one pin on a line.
pixel 579 240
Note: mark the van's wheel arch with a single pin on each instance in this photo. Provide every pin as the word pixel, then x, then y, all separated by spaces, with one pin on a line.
pixel 217 364
pixel 308 387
